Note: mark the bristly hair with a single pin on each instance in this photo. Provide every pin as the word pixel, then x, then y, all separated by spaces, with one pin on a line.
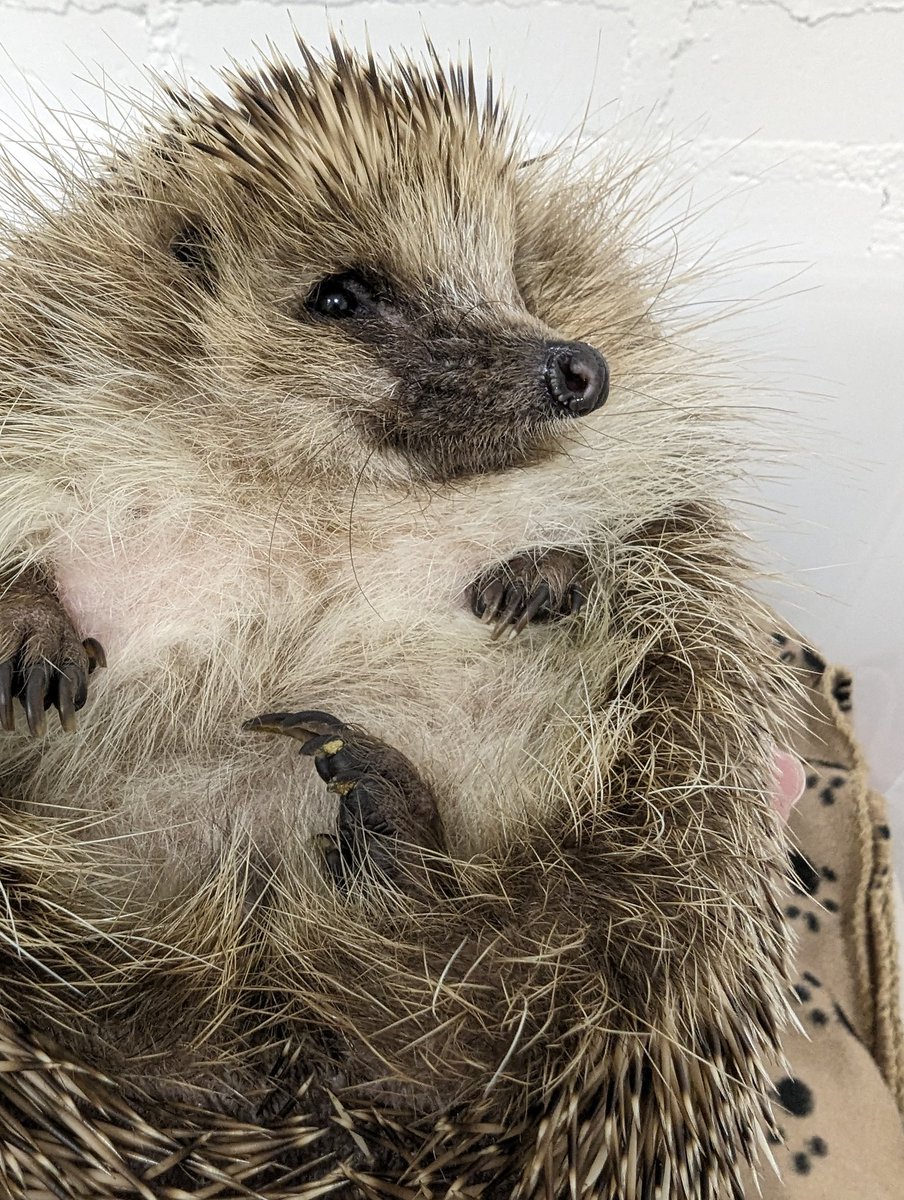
pixel 337 116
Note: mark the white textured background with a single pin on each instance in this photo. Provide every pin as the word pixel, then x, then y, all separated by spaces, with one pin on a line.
pixel 789 112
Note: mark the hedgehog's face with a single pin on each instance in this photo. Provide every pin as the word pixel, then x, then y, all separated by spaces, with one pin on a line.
pixel 410 347
pixel 453 384
pixel 370 294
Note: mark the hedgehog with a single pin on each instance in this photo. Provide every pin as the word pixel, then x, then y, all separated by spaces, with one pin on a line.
pixel 329 414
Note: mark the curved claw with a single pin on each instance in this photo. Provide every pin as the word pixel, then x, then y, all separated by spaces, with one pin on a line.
pixel 96 654
pixel 486 606
pixel 274 723
pixel 540 596
pixel 35 692
pixel 66 700
pixel 302 726
pixel 515 595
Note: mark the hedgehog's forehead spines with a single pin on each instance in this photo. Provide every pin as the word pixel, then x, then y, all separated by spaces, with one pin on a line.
pixel 374 149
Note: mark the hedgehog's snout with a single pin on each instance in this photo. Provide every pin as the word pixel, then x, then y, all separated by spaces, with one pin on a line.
pixel 577 378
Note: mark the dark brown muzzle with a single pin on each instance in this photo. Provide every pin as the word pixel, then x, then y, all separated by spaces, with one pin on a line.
pixel 577 378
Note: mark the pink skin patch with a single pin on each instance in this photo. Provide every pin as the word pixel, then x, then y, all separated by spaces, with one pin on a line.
pixel 790 781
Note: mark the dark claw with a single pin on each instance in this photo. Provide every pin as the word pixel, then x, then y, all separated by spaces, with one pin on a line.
pixel 96 656
pixel 577 596
pixel 302 726
pixel 7 716
pixel 66 696
pixel 80 685
pixel 515 595
pixel 48 666
pixel 531 587
pixel 313 717
pixel 536 602
pixel 265 723
pixel 35 693
pixel 489 600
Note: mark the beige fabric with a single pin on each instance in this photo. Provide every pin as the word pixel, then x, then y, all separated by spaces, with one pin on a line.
pixel 841 1093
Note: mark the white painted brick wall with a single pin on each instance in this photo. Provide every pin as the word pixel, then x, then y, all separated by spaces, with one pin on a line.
pixel 791 110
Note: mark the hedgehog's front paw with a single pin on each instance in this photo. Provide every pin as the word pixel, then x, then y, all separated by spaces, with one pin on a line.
pixel 43 661
pixel 534 586
pixel 388 821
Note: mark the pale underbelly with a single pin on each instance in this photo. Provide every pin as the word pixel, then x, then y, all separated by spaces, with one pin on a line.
pixel 198 640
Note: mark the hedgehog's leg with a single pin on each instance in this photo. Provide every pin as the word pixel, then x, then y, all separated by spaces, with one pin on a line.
pixel 43 660
pixel 388 822
pixel 531 587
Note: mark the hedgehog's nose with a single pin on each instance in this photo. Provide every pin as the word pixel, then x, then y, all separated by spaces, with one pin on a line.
pixel 577 378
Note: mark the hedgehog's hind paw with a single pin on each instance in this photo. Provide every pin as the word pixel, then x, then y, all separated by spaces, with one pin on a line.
pixel 388 822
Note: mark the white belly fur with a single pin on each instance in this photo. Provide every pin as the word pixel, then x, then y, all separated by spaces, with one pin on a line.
pixel 206 624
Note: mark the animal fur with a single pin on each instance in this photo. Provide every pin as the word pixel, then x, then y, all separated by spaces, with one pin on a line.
pixel 254 511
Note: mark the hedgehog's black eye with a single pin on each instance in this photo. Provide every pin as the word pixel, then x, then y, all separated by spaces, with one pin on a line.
pixel 345 295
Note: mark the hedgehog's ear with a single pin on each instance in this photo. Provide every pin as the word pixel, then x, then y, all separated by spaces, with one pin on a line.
pixel 192 245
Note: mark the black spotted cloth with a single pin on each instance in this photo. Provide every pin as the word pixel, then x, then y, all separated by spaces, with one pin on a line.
pixel 840 1096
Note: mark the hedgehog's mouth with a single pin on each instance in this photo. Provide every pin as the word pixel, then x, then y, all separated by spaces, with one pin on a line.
pixel 457 450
